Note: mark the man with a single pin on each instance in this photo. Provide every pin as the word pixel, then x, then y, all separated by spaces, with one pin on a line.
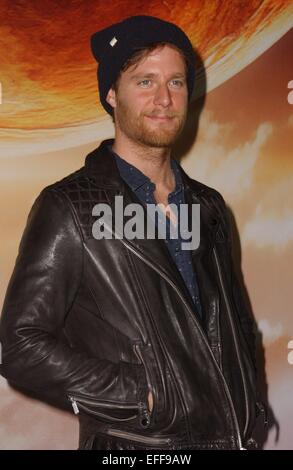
pixel 148 341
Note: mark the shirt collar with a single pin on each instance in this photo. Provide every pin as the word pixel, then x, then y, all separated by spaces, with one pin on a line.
pixel 136 179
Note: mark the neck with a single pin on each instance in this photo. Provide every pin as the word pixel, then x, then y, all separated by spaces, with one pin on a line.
pixel 154 162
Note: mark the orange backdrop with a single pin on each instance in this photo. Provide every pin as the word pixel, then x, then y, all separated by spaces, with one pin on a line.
pixel 50 118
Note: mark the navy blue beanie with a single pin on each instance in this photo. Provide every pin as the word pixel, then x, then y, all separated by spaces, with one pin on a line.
pixel 114 45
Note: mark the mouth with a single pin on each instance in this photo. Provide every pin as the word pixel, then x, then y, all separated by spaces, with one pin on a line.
pixel 161 118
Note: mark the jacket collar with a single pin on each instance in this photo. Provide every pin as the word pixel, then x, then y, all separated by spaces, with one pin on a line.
pixel 101 165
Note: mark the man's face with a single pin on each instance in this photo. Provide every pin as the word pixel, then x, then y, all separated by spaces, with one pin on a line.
pixel 151 102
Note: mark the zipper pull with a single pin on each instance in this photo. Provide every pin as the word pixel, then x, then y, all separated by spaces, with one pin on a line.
pixel 144 415
pixel 74 406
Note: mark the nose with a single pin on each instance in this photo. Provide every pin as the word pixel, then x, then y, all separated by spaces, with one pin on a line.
pixel 162 96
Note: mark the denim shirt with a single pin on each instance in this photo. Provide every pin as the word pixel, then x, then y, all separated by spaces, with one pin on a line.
pixel 144 189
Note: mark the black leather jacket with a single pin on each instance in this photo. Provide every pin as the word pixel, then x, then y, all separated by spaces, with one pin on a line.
pixel 100 322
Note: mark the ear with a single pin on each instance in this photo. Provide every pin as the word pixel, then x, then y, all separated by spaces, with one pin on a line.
pixel 111 97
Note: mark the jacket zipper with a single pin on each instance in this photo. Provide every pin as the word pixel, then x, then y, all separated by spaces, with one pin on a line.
pixel 80 402
pixel 138 438
pixel 234 335
pixel 218 345
pixel 162 274
pixel 219 337
pixel 138 353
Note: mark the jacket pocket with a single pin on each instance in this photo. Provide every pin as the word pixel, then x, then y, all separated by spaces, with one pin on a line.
pixel 138 438
pixel 110 411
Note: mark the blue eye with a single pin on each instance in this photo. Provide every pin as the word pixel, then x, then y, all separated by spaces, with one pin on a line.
pixel 178 82
pixel 143 81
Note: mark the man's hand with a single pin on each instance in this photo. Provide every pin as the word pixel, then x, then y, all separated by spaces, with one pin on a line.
pixel 150 401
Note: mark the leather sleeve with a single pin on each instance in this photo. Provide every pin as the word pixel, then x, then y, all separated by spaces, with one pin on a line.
pixel 45 280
